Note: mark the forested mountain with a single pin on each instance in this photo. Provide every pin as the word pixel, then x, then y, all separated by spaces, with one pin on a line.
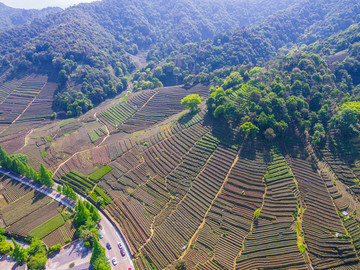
pixel 101 34
pixel 11 17
pixel 303 23
pixel 176 22
pixel 146 22
pixel 88 47
pixel 342 52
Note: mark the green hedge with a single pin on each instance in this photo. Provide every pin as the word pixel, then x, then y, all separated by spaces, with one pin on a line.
pixel 97 175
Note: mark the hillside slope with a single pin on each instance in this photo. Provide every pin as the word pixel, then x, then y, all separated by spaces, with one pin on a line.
pixel 302 23
pixel 146 22
pixel 264 174
pixel 11 17
pixel 86 45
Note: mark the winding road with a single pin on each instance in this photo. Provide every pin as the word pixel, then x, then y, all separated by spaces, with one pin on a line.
pixel 38 187
pixel 111 234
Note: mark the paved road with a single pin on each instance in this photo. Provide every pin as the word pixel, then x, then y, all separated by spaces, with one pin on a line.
pixel 75 253
pixel 10 264
pixel 112 236
pixel 110 233
pixel 41 188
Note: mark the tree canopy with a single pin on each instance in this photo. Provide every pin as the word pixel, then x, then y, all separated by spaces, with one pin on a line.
pixel 14 163
pixel 98 258
pixel 181 265
pixel 191 102
pixel 19 253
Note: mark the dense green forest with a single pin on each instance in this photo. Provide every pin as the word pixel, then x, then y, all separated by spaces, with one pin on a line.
pixel 295 91
pixel 298 26
pixel 86 47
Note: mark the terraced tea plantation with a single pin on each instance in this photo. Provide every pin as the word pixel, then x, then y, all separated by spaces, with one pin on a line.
pixel 147 108
pixel 88 184
pixel 210 135
pixel 22 95
pixel 27 212
pixel 25 104
pixel 180 191
pixel 181 188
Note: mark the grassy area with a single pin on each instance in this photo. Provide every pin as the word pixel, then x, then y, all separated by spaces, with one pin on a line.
pixel 78 181
pixel 67 122
pixel 96 134
pixel 125 98
pixel 47 227
pixel 97 175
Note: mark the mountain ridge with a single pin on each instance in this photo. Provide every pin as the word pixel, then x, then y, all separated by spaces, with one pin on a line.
pixel 13 17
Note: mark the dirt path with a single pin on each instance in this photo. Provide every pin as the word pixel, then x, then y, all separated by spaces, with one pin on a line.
pixel 152 224
pixel 251 227
pixel 139 109
pixel 193 238
pixel 27 138
pixel 139 59
pixel 107 130
pixel 108 135
pixel 73 155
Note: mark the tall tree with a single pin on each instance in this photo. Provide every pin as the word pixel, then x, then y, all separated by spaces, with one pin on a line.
pixel 18 253
pixel 82 214
pixel 37 252
pixel 181 265
pixel 45 176
pixel 37 262
pixel 98 258
pixel 36 247
pixel 191 102
pixel 249 129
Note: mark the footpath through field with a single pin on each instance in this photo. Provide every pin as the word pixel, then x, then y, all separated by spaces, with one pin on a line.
pixel 38 187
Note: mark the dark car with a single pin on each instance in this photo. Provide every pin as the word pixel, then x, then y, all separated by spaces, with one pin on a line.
pixel 108 245
pixel 122 251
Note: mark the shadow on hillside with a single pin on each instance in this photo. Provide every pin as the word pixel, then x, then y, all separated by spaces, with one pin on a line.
pixel 292 145
pixel 19 185
pixel 187 117
pixel 254 147
pixel 224 133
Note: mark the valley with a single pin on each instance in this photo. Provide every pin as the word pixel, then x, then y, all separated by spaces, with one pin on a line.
pixel 205 135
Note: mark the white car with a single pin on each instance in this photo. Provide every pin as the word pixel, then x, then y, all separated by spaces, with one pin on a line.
pixel 114 261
